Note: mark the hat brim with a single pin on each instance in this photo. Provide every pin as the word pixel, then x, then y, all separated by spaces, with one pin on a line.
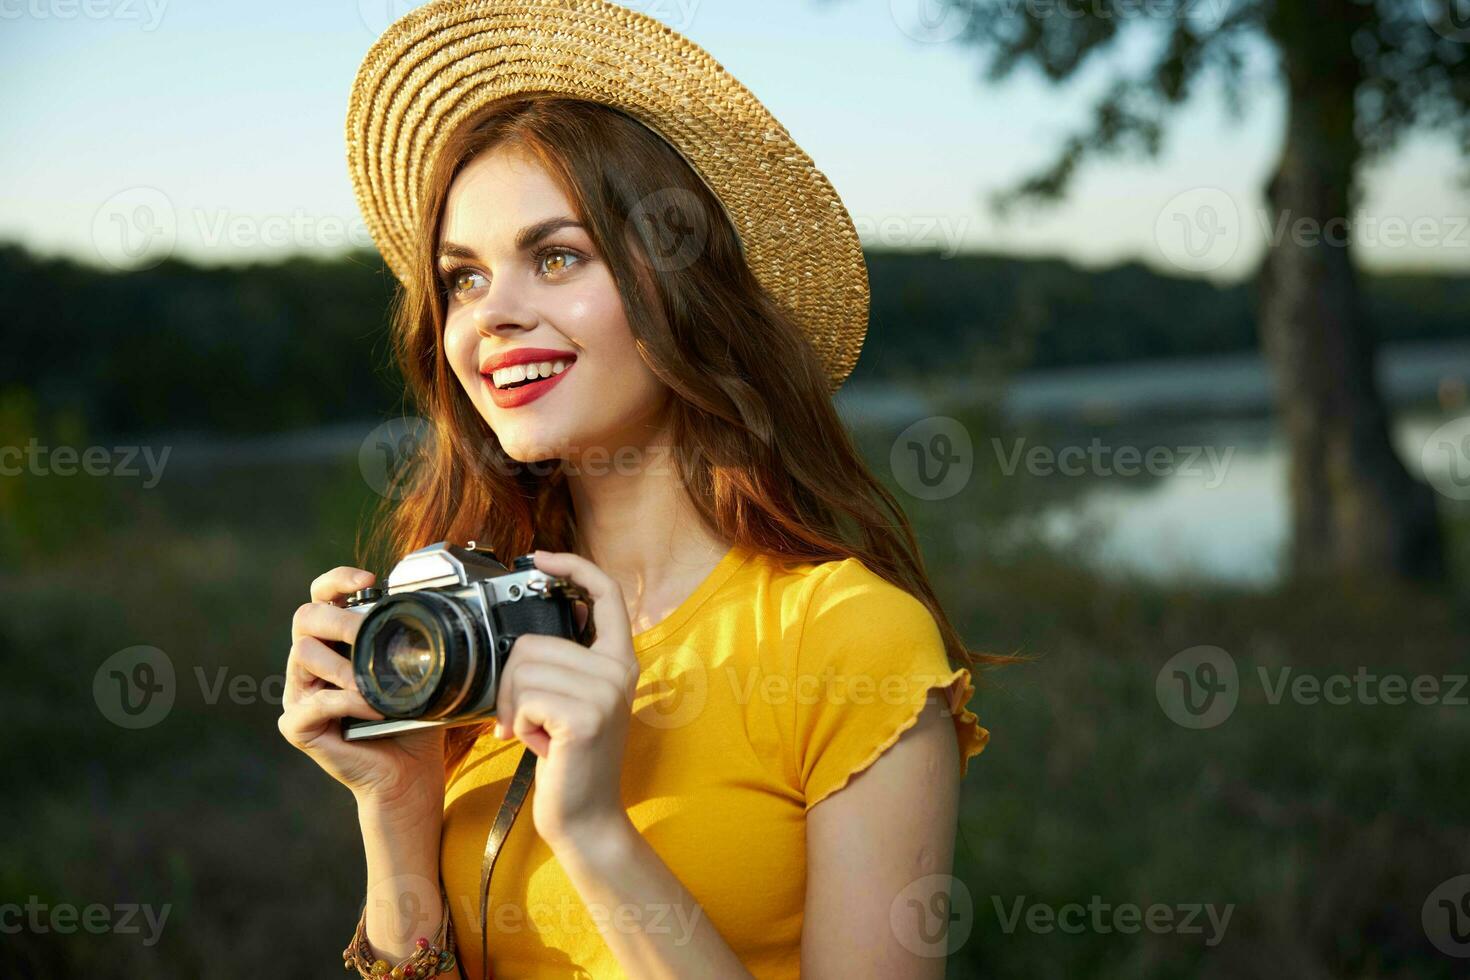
pixel 443 62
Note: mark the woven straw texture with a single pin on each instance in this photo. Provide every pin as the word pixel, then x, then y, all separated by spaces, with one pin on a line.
pixel 443 62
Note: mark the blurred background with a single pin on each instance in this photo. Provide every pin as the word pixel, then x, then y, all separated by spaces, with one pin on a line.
pixel 1168 361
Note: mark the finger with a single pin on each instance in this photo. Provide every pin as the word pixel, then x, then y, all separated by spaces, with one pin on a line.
pixel 330 704
pixel 540 714
pixel 564 680
pixel 580 673
pixel 315 717
pixel 609 614
pixel 312 660
pixel 340 581
pixel 563 652
pixel 325 622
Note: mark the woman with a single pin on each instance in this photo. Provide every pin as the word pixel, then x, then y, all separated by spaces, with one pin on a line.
pixel 625 337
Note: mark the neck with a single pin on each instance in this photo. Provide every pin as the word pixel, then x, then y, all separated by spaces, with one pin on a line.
pixel 635 521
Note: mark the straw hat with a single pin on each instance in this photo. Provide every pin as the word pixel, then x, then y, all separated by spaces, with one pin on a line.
pixel 444 61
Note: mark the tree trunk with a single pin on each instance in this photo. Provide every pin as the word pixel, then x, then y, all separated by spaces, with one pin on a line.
pixel 1355 509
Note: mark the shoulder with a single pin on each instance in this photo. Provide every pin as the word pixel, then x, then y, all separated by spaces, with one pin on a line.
pixel 850 608
pixel 836 617
pixel 822 604
pixel 871 658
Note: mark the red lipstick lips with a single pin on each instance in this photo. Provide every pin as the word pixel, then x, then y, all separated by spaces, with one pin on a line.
pixel 528 391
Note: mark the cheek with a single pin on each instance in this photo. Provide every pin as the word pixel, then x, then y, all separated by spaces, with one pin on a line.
pixel 461 344
pixel 604 332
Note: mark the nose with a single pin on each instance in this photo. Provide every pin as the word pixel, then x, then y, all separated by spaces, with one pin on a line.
pixel 502 309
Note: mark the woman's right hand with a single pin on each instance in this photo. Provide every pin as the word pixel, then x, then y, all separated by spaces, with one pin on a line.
pixel 401 772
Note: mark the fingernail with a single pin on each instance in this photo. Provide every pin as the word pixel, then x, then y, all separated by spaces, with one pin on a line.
pixel 363 578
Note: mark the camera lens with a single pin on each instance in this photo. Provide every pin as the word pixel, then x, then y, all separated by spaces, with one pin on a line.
pixel 416 655
pixel 406 661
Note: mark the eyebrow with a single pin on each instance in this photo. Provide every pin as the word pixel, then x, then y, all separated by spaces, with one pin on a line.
pixel 525 238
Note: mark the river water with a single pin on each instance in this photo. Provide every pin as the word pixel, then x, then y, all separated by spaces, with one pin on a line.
pixel 1218 507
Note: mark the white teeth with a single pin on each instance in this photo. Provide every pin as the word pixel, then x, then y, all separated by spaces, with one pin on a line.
pixel 524 372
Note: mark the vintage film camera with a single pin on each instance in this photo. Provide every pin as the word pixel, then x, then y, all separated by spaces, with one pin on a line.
pixel 432 650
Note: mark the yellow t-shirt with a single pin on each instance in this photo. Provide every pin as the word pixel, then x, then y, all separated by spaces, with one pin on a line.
pixel 761 694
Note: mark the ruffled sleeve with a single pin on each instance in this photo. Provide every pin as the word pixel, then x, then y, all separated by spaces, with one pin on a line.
pixel 869 655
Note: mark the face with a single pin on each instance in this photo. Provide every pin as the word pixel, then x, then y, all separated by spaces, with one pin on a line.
pixel 535 329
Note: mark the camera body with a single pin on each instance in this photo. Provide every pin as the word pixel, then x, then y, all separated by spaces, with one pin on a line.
pixel 431 650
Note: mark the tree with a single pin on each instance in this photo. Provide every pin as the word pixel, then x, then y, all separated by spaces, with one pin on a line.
pixel 1357 75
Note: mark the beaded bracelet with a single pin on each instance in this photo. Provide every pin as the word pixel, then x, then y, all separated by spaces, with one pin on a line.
pixel 429 959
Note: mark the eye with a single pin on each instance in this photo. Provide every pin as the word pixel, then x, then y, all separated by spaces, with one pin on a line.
pixel 554 261
pixel 460 283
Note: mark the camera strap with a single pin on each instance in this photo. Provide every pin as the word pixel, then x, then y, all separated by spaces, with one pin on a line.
pixel 515 795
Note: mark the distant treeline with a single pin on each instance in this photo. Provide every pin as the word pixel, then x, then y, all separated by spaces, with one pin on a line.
pixel 980 311
pixel 303 342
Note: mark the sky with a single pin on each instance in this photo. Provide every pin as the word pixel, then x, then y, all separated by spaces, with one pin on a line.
pixel 213 131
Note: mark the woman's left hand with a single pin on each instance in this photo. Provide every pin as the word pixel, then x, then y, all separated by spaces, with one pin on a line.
pixel 571 705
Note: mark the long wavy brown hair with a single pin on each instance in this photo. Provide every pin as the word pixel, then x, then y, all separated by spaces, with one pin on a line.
pixel 757 442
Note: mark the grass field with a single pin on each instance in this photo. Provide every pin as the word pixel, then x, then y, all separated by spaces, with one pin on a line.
pixel 1322 828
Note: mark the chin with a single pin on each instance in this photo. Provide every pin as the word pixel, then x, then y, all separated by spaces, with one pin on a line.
pixel 528 452
pixel 527 447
